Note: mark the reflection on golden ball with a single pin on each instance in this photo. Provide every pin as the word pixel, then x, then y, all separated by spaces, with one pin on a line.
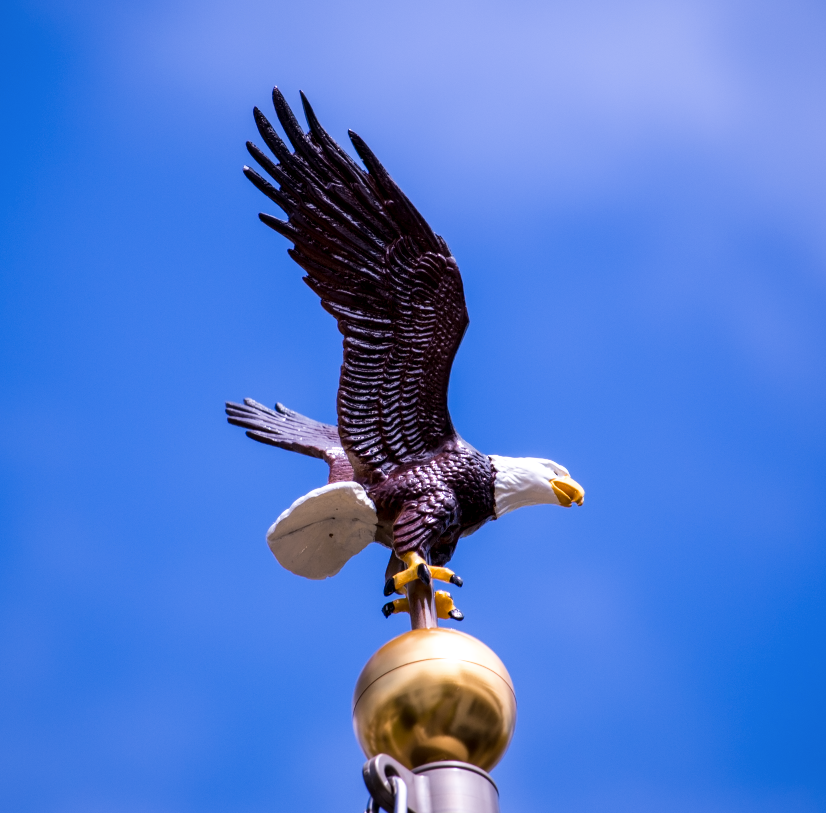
pixel 435 694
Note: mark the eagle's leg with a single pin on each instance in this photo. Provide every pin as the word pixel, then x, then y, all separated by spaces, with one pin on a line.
pixel 418 568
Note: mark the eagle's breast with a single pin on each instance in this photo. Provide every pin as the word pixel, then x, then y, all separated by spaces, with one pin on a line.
pixel 457 476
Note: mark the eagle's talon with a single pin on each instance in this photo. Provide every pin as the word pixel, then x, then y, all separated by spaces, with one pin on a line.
pixel 418 568
pixel 400 605
pixel 445 574
pixel 445 608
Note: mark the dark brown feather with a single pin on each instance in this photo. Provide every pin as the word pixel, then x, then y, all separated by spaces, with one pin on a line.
pixel 391 283
pixel 289 430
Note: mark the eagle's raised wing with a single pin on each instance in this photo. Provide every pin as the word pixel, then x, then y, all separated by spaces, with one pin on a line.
pixel 391 283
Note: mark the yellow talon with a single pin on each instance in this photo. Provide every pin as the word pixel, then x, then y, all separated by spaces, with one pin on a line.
pixel 445 608
pixel 444 574
pixel 400 605
pixel 418 568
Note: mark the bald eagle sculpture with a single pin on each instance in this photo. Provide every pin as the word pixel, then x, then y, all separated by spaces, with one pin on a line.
pixel 400 474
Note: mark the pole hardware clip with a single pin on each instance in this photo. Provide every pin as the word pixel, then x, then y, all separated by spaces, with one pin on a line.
pixel 393 788
pixel 399 798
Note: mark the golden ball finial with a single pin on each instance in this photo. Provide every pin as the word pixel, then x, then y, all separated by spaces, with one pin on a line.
pixel 435 694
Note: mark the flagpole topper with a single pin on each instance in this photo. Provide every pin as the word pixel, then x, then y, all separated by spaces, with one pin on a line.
pixel 435 694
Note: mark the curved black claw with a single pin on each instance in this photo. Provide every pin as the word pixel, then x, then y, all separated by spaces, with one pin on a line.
pixel 457 580
pixel 388 609
pixel 390 586
pixel 423 572
pixel 456 615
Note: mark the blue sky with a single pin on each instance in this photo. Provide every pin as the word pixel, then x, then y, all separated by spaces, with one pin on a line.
pixel 636 195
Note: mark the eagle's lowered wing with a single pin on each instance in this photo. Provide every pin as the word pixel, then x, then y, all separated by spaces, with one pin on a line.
pixel 391 283
pixel 317 535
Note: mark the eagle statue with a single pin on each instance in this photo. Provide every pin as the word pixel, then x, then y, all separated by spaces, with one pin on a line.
pixel 400 474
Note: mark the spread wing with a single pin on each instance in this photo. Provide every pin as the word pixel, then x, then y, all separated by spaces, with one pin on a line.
pixel 391 283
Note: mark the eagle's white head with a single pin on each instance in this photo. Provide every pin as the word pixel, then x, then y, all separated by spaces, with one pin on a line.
pixel 532 481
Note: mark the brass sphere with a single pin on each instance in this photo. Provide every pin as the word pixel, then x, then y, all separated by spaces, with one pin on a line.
pixel 435 694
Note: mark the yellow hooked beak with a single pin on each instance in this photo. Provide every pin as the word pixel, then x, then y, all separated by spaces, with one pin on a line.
pixel 568 491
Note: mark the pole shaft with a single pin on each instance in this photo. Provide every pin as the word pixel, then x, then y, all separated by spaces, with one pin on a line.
pixel 422 606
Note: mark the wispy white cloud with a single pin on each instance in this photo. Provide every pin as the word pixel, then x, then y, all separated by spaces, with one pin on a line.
pixel 565 91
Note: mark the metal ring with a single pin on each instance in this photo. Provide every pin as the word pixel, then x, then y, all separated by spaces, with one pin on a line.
pixel 399 794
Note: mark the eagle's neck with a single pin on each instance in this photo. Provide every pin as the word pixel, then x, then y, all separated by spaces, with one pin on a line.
pixel 519 481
